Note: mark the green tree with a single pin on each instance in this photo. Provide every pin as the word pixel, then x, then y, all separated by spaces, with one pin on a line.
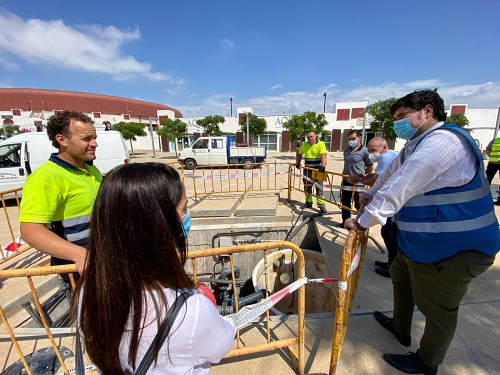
pixel 256 125
pixel 299 125
pixel 458 119
pixel 210 124
pixel 381 119
pixel 172 129
pixel 11 130
pixel 130 130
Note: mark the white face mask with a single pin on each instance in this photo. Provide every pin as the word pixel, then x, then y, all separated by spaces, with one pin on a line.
pixel 374 156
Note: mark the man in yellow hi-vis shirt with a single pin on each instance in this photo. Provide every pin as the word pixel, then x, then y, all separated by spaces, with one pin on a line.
pixel 493 151
pixel 314 152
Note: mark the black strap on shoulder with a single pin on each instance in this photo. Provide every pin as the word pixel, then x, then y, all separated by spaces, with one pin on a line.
pixel 163 333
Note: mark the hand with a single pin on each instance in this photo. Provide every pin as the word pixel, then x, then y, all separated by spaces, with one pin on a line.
pixel 321 168
pixel 353 179
pixel 80 263
pixel 353 224
pixel 297 165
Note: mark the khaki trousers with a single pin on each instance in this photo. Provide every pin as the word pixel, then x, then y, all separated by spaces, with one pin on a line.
pixel 437 290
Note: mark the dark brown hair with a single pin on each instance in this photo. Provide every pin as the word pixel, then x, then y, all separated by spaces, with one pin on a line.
pixel 136 246
pixel 420 99
pixel 59 124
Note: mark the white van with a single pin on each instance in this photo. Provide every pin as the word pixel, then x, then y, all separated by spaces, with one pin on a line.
pixel 23 153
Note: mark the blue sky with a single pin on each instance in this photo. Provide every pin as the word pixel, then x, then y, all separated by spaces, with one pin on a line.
pixel 275 56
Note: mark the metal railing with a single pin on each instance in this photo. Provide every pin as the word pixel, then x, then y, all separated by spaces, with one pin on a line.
pixel 230 178
pixel 333 185
pixel 352 255
pixel 10 204
pixel 268 342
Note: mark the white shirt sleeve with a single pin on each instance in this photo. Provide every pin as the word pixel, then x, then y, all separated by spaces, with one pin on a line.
pixel 442 159
pixel 213 335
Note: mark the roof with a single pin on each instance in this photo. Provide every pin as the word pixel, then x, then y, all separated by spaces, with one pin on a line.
pixel 42 99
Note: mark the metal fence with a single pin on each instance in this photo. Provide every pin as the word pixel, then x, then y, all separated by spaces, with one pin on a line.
pixel 264 342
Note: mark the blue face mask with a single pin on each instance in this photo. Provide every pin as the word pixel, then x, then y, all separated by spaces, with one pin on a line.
pixel 403 128
pixel 186 223
pixel 353 143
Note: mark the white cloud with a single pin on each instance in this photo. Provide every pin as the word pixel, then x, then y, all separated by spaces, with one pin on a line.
pixel 482 95
pixel 278 86
pixel 227 43
pixel 91 48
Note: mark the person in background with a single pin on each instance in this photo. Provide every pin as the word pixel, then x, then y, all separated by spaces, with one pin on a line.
pixel 135 272
pixel 59 195
pixel 314 152
pixel 380 154
pixel 447 229
pixel 493 151
pixel 356 162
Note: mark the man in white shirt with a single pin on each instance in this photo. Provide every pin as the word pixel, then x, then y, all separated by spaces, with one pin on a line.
pixel 447 229
pixel 379 152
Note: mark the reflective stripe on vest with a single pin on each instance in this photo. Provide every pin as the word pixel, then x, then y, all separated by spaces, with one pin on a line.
pixel 441 223
pixel 495 151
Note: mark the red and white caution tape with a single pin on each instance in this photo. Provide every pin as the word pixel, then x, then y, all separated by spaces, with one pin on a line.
pixel 248 313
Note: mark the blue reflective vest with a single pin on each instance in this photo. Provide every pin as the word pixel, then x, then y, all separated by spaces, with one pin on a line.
pixel 439 224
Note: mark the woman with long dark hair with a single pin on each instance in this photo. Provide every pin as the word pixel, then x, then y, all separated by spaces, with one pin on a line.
pixel 134 273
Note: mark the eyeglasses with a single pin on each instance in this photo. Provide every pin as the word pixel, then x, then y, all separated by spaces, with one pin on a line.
pixel 406 113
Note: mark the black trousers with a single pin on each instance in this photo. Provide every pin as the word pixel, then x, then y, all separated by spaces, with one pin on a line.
pixel 346 198
pixel 491 170
pixel 389 232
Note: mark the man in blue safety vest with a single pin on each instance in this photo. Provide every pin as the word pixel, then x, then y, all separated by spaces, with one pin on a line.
pixel 447 229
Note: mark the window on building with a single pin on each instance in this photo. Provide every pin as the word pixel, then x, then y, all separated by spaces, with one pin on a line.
pixel 328 141
pixel 16 112
pixel 357 112
pixel 343 114
pixel 269 140
pixel 460 109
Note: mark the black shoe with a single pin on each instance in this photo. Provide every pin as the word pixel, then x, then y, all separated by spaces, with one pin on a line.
pixel 383 272
pixel 386 322
pixel 322 208
pixel 381 264
pixel 410 363
pixel 308 205
pixel 341 225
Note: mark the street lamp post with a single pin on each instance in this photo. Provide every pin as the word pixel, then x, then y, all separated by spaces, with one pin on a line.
pixel 248 133
pixel 44 102
pixel 324 102
pixel 231 101
pixel 29 105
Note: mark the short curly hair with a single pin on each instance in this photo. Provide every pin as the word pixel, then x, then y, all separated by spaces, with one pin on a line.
pixel 419 99
pixel 59 124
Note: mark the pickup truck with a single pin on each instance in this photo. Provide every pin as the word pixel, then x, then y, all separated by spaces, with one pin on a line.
pixel 219 151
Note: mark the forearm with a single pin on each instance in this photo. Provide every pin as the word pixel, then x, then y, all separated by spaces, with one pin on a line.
pixel 42 239
pixel 369 179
